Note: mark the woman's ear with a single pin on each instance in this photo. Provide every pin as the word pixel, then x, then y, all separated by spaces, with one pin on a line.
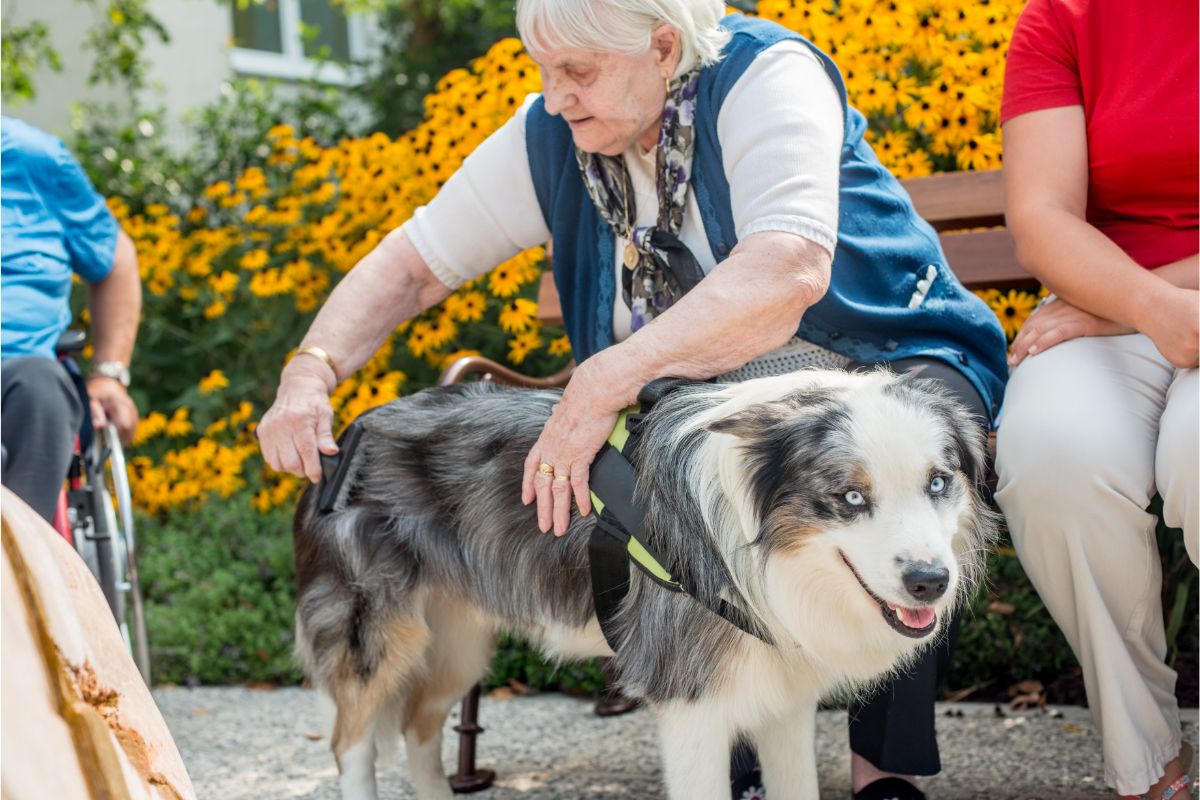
pixel 668 49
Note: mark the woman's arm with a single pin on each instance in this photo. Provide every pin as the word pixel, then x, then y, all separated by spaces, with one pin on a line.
pixel 1045 185
pixel 391 284
pixel 750 304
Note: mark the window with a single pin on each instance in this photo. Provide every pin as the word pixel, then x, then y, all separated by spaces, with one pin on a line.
pixel 285 39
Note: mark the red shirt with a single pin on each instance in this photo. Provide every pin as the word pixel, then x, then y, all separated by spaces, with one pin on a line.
pixel 1133 65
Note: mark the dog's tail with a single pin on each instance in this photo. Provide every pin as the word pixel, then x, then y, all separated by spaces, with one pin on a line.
pixel 360 633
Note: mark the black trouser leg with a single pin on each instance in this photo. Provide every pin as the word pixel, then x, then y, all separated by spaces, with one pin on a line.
pixel 893 728
pixel 39 418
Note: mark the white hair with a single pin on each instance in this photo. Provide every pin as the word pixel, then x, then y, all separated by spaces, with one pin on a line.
pixel 624 26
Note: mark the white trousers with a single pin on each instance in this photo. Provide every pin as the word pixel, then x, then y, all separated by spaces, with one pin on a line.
pixel 1090 430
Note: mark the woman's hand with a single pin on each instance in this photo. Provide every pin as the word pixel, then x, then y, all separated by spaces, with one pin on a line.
pixel 1055 322
pixel 299 425
pixel 577 429
pixel 1173 324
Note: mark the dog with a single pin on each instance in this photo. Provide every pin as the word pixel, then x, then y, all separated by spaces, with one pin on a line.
pixel 845 513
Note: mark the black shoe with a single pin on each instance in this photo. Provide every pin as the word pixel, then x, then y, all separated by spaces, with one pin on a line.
pixel 890 789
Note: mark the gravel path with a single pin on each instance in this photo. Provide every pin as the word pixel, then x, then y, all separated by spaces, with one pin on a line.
pixel 241 744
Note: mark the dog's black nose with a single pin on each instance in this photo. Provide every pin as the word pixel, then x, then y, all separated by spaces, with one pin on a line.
pixel 925 582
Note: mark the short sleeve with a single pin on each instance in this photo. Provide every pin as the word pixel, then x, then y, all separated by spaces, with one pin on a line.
pixel 780 129
pixel 1042 69
pixel 89 228
pixel 486 213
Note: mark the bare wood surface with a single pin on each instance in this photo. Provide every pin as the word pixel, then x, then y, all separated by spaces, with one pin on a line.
pixel 956 200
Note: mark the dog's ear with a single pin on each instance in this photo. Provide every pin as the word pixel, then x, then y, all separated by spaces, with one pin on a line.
pixel 970 440
pixel 757 419
pixel 753 421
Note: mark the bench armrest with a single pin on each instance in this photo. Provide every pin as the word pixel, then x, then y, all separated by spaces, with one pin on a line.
pixel 489 370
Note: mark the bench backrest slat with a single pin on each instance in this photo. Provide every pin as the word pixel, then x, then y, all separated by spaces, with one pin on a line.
pixel 952 201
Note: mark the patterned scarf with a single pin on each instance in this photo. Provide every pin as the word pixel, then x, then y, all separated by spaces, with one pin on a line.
pixel 658 267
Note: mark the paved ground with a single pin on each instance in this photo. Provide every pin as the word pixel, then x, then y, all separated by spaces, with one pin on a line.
pixel 242 744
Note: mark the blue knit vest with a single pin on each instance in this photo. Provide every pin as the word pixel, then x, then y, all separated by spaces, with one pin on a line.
pixel 873 310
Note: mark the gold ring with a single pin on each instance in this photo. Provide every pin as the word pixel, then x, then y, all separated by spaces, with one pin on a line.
pixel 546 469
pixel 562 478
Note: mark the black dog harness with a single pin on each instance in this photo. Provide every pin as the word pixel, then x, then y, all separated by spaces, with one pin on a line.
pixel 618 536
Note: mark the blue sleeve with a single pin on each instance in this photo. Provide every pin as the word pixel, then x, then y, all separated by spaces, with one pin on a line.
pixel 90 230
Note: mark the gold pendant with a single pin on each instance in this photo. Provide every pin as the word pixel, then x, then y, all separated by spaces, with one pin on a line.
pixel 631 255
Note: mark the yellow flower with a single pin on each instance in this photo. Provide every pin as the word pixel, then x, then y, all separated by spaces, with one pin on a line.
pixel 504 281
pixel 224 283
pixel 243 412
pixel 218 190
pixel 419 339
pixel 522 344
pixel 517 315
pixel 213 382
pixel 148 427
pixel 981 151
pixel 560 346
pixel 179 424
pixel 255 259
pixel 1013 309
pixel 214 309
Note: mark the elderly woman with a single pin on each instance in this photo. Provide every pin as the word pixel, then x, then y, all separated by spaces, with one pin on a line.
pixel 715 211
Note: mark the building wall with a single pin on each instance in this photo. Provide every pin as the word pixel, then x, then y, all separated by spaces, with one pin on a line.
pixel 191 68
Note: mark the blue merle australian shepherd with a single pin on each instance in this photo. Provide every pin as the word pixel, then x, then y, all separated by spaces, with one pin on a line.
pixel 843 512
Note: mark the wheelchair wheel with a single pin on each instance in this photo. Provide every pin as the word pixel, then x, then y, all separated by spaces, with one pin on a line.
pixel 101 513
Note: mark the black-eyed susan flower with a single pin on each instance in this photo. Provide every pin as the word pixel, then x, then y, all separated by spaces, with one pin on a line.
pixel 560 346
pixel 517 315
pixel 1013 309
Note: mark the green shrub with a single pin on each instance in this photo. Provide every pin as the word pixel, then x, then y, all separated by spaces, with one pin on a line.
pixel 219 584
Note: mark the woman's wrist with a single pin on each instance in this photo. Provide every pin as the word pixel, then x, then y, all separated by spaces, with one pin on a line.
pixel 306 365
pixel 1149 306
pixel 615 380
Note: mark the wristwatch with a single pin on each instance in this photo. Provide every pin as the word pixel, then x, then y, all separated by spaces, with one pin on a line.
pixel 112 369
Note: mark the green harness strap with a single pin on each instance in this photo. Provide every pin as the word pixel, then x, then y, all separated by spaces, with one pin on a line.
pixel 634 548
pixel 614 541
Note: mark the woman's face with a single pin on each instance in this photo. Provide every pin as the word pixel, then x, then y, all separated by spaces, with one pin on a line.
pixel 610 100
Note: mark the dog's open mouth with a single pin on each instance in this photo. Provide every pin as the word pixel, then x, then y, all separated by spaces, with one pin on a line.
pixel 912 622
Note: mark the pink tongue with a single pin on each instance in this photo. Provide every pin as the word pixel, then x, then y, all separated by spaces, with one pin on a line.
pixel 916 617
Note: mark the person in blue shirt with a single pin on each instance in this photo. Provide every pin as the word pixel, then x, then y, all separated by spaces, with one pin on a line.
pixel 54 226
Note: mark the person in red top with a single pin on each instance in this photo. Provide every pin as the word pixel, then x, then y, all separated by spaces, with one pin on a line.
pixel 1101 169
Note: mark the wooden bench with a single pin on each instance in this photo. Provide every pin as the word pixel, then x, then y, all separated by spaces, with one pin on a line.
pixel 967 210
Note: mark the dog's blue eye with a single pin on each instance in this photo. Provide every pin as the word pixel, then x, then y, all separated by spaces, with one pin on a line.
pixel 854 498
pixel 937 485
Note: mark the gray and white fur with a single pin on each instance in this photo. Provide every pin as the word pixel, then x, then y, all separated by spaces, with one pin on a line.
pixel 844 512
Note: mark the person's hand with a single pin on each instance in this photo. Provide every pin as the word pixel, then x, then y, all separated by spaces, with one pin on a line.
pixel 577 429
pixel 1173 324
pixel 1055 322
pixel 110 404
pixel 299 425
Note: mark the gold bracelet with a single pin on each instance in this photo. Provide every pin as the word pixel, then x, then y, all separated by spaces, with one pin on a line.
pixel 313 350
